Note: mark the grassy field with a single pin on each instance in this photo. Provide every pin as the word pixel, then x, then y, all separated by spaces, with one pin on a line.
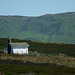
pixel 24 69
pixel 59 60
pixel 43 59
pixel 36 65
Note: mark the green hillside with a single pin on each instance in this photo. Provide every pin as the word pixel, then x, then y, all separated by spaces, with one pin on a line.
pixel 58 28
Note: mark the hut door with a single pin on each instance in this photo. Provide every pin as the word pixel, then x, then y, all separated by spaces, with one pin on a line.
pixel 9 49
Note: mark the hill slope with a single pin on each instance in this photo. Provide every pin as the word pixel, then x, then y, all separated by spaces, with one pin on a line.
pixel 47 28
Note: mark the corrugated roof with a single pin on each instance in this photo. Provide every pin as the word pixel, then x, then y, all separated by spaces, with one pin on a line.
pixel 19 44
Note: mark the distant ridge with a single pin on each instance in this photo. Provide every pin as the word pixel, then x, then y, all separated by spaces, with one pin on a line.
pixel 58 28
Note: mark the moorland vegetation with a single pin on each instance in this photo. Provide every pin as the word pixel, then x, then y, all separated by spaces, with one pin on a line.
pixel 43 59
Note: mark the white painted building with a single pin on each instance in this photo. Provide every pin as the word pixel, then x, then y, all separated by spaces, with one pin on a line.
pixel 16 48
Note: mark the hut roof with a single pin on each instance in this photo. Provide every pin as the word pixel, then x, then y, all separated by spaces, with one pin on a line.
pixel 19 44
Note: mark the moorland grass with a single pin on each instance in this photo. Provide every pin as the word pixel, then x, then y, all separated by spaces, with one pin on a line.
pixel 24 69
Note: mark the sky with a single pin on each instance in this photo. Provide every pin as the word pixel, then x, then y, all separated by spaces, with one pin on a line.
pixel 35 7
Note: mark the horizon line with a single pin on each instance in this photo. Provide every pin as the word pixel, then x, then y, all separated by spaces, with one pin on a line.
pixel 38 15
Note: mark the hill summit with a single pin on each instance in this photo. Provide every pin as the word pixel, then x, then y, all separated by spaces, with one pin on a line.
pixel 58 28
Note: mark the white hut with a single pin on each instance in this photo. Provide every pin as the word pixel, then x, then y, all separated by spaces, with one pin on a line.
pixel 16 48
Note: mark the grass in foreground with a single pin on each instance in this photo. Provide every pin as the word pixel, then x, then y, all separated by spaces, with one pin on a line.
pixel 24 69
